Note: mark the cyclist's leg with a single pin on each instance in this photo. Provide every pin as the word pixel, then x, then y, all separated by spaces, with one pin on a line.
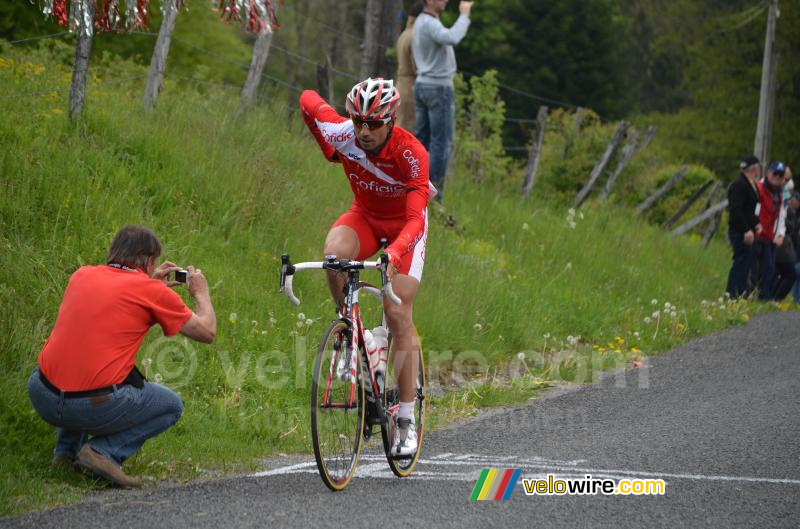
pixel 401 321
pixel 350 237
pixel 405 340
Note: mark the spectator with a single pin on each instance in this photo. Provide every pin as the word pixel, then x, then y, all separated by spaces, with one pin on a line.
pixel 86 382
pixel 786 255
pixel 743 225
pixel 771 237
pixel 407 72
pixel 432 45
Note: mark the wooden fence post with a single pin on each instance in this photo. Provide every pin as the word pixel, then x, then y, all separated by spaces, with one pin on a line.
pixel 627 154
pixel 712 230
pixel 158 62
pixel 649 134
pixel 713 223
pixel 602 164
pixel 257 63
pixel 83 50
pixel 685 207
pixel 712 197
pixel 536 149
pixel 324 80
pixel 661 191
pixel 707 214
pixel 580 115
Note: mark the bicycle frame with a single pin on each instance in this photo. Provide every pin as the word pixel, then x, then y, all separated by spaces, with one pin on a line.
pixel 352 316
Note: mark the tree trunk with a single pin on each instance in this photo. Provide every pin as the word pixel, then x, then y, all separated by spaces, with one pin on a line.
pixel 83 50
pixel 381 29
pixel 158 63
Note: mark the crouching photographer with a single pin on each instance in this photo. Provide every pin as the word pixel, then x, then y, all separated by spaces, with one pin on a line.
pixel 86 382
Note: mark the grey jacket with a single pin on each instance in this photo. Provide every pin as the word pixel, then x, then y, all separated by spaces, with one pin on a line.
pixel 432 45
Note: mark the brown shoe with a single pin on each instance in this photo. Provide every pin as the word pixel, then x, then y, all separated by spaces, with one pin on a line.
pixel 64 462
pixel 105 468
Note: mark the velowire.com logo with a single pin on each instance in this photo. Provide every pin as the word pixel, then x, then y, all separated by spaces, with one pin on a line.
pixel 495 484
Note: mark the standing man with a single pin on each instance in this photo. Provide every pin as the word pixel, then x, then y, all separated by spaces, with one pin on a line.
pixel 743 225
pixel 770 238
pixel 86 382
pixel 432 45
pixel 407 71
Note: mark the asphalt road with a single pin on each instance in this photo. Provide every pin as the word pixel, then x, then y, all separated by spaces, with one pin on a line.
pixel 716 419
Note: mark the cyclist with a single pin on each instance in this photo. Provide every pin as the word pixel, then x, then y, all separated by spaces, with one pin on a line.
pixel 387 169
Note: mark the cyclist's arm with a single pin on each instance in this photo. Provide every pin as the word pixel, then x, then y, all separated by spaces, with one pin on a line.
pixel 313 108
pixel 415 163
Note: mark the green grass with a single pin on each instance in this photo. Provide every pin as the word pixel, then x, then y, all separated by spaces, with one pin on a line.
pixel 230 193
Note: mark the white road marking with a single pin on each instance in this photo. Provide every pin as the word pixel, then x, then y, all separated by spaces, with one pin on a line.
pixel 533 468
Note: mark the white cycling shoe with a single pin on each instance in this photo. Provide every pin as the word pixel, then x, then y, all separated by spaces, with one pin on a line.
pixel 405 438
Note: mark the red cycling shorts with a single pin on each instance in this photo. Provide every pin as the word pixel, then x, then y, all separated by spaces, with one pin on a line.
pixel 370 230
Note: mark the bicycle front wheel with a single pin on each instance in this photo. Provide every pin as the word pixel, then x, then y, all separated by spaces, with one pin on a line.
pixel 337 407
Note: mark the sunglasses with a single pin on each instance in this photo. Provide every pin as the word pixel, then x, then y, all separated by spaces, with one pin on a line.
pixel 371 124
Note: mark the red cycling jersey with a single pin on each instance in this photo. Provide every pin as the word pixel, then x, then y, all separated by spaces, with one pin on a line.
pixel 392 184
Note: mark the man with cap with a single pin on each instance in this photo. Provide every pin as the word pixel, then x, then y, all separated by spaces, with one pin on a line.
pixel 772 220
pixel 743 225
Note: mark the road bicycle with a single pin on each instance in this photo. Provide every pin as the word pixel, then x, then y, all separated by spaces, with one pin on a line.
pixel 348 396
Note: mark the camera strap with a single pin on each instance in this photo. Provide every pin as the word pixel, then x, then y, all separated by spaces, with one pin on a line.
pixel 120 266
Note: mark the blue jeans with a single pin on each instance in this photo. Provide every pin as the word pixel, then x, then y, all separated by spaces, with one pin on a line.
pixel 120 422
pixel 767 274
pixel 743 258
pixel 436 114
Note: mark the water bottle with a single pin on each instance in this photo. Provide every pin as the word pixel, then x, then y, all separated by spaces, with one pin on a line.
pixel 372 350
pixel 380 338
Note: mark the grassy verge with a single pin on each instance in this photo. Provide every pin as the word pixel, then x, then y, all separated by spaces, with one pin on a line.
pixel 522 294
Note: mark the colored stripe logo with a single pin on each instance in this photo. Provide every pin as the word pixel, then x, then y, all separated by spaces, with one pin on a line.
pixel 495 484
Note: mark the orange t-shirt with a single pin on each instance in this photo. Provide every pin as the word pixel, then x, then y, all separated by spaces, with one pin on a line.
pixel 105 315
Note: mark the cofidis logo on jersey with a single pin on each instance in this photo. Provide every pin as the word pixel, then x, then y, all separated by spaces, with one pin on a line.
pixel 495 484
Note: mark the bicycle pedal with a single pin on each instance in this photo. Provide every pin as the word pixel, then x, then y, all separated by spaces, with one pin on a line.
pixel 368 433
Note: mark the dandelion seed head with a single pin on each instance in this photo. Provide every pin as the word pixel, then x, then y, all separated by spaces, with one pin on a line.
pixel 477 326
pixel 301 316
pixel 654 301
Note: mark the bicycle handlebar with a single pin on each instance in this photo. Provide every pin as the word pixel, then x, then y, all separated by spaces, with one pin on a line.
pixel 288 270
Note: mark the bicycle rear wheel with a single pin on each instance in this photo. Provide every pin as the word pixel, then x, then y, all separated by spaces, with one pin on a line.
pixel 337 408
pixel 403 466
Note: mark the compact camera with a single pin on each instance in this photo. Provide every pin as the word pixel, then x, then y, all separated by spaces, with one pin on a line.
pixel 181 276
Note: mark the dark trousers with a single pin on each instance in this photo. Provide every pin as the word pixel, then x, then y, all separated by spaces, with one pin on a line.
pixel 743 258
pixel 765 277
pixel 786 278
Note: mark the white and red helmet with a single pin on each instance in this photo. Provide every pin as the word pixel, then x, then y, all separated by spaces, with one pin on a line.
pixel 373 99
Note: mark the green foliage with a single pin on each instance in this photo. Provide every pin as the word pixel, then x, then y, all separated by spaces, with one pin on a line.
pixel 479 125
pixel 568 50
